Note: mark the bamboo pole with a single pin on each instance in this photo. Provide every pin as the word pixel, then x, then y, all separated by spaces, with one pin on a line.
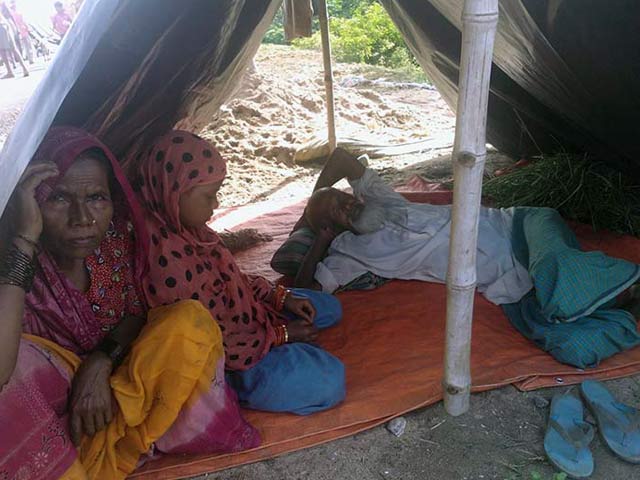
pixel 479 20
pixel 323 17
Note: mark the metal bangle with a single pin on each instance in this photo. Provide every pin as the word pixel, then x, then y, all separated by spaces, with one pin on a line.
pixel 17 268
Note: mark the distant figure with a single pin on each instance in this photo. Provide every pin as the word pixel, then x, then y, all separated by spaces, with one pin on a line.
pixel 41 49
pixel 24 37
pixel 8 50
pixel 61 20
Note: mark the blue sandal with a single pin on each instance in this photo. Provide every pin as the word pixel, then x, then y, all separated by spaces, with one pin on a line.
pixel 568 436
pixel 619 424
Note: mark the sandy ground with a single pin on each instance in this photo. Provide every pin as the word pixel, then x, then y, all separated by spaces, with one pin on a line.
pixel 278 112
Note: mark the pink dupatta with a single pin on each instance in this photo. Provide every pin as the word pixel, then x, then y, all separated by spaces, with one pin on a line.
pixel 193 262
pixel 55 309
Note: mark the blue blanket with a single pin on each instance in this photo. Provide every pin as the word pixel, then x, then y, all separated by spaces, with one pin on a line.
pixel 571 311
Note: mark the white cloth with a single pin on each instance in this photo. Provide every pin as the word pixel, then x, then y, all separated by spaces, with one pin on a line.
pixel 417 247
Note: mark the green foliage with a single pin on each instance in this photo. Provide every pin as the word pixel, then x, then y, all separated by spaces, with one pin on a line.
pixel 361 32
pixel 368 36
pixel 275 34
pixel 336 9
pixel 556 476
pixel 345 8
pixel 580 188
pixel 536 476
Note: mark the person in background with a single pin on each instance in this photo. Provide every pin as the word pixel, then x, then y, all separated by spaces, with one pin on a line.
pixel 24 37
pixel 61 20
pixel 8 49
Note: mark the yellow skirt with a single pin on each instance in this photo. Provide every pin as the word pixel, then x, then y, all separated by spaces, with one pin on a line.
pixel 171 363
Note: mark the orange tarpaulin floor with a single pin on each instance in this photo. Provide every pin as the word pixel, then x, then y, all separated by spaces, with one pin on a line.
pixel 391 341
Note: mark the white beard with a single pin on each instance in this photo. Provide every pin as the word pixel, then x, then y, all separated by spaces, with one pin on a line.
pixel 370 220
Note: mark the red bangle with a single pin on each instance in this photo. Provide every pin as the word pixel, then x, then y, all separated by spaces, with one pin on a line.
pixel 282 335
pixel 280 297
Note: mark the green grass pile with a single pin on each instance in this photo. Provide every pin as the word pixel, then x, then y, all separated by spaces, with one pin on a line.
pixel 580 188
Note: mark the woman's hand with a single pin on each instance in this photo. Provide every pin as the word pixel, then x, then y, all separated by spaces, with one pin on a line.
pixel 301 307
pixel 28 218
pixel 302 331
pixel 92 405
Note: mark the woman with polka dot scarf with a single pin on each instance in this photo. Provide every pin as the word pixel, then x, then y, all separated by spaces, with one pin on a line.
pixel 267 331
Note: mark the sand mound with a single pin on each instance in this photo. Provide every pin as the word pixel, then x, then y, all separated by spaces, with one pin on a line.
pixel 280 108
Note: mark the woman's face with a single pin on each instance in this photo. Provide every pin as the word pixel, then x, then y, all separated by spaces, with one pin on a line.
pixel 198 203
pixel 77 214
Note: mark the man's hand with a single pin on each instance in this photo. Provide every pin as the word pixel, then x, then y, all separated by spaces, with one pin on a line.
pixel 341 164
pixel 92 405
pixel 302 331
pixel 304 277
pixel 301 307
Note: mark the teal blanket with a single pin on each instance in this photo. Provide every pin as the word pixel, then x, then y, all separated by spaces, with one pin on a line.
pixel 570 312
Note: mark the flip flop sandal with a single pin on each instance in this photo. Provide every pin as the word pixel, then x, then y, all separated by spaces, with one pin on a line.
pixel 619 424
pixel 568 436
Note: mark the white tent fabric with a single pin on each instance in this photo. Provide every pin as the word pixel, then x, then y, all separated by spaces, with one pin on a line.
pixel 128 81
pixel 42 107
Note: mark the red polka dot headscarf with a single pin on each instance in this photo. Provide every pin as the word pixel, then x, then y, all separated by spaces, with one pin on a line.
pixel 176 163
pixel 193 262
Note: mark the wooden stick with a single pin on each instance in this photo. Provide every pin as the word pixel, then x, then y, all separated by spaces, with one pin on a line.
pixel 479 19
pixel 323 17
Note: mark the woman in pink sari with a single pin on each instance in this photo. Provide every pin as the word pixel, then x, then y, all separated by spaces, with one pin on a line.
pixel 91 380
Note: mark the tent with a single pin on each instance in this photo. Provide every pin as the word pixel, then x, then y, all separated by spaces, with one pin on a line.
pixel 128 70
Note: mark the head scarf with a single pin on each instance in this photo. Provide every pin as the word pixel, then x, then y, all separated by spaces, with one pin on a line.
pixel 193 262
pixel 55 309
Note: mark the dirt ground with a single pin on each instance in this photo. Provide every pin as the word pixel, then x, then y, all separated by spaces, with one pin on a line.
pixel 499 438
pixel 279 110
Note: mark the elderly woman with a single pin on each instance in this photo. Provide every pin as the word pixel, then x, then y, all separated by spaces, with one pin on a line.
pixel 82 364
pixel 268 331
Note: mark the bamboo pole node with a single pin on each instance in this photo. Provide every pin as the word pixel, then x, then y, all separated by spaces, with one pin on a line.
pixel 467 159
pixel 451 390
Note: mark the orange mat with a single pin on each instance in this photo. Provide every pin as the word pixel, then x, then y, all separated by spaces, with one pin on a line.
pixel 391 341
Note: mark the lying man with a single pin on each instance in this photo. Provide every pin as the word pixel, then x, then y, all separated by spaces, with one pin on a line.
pixel 579 310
